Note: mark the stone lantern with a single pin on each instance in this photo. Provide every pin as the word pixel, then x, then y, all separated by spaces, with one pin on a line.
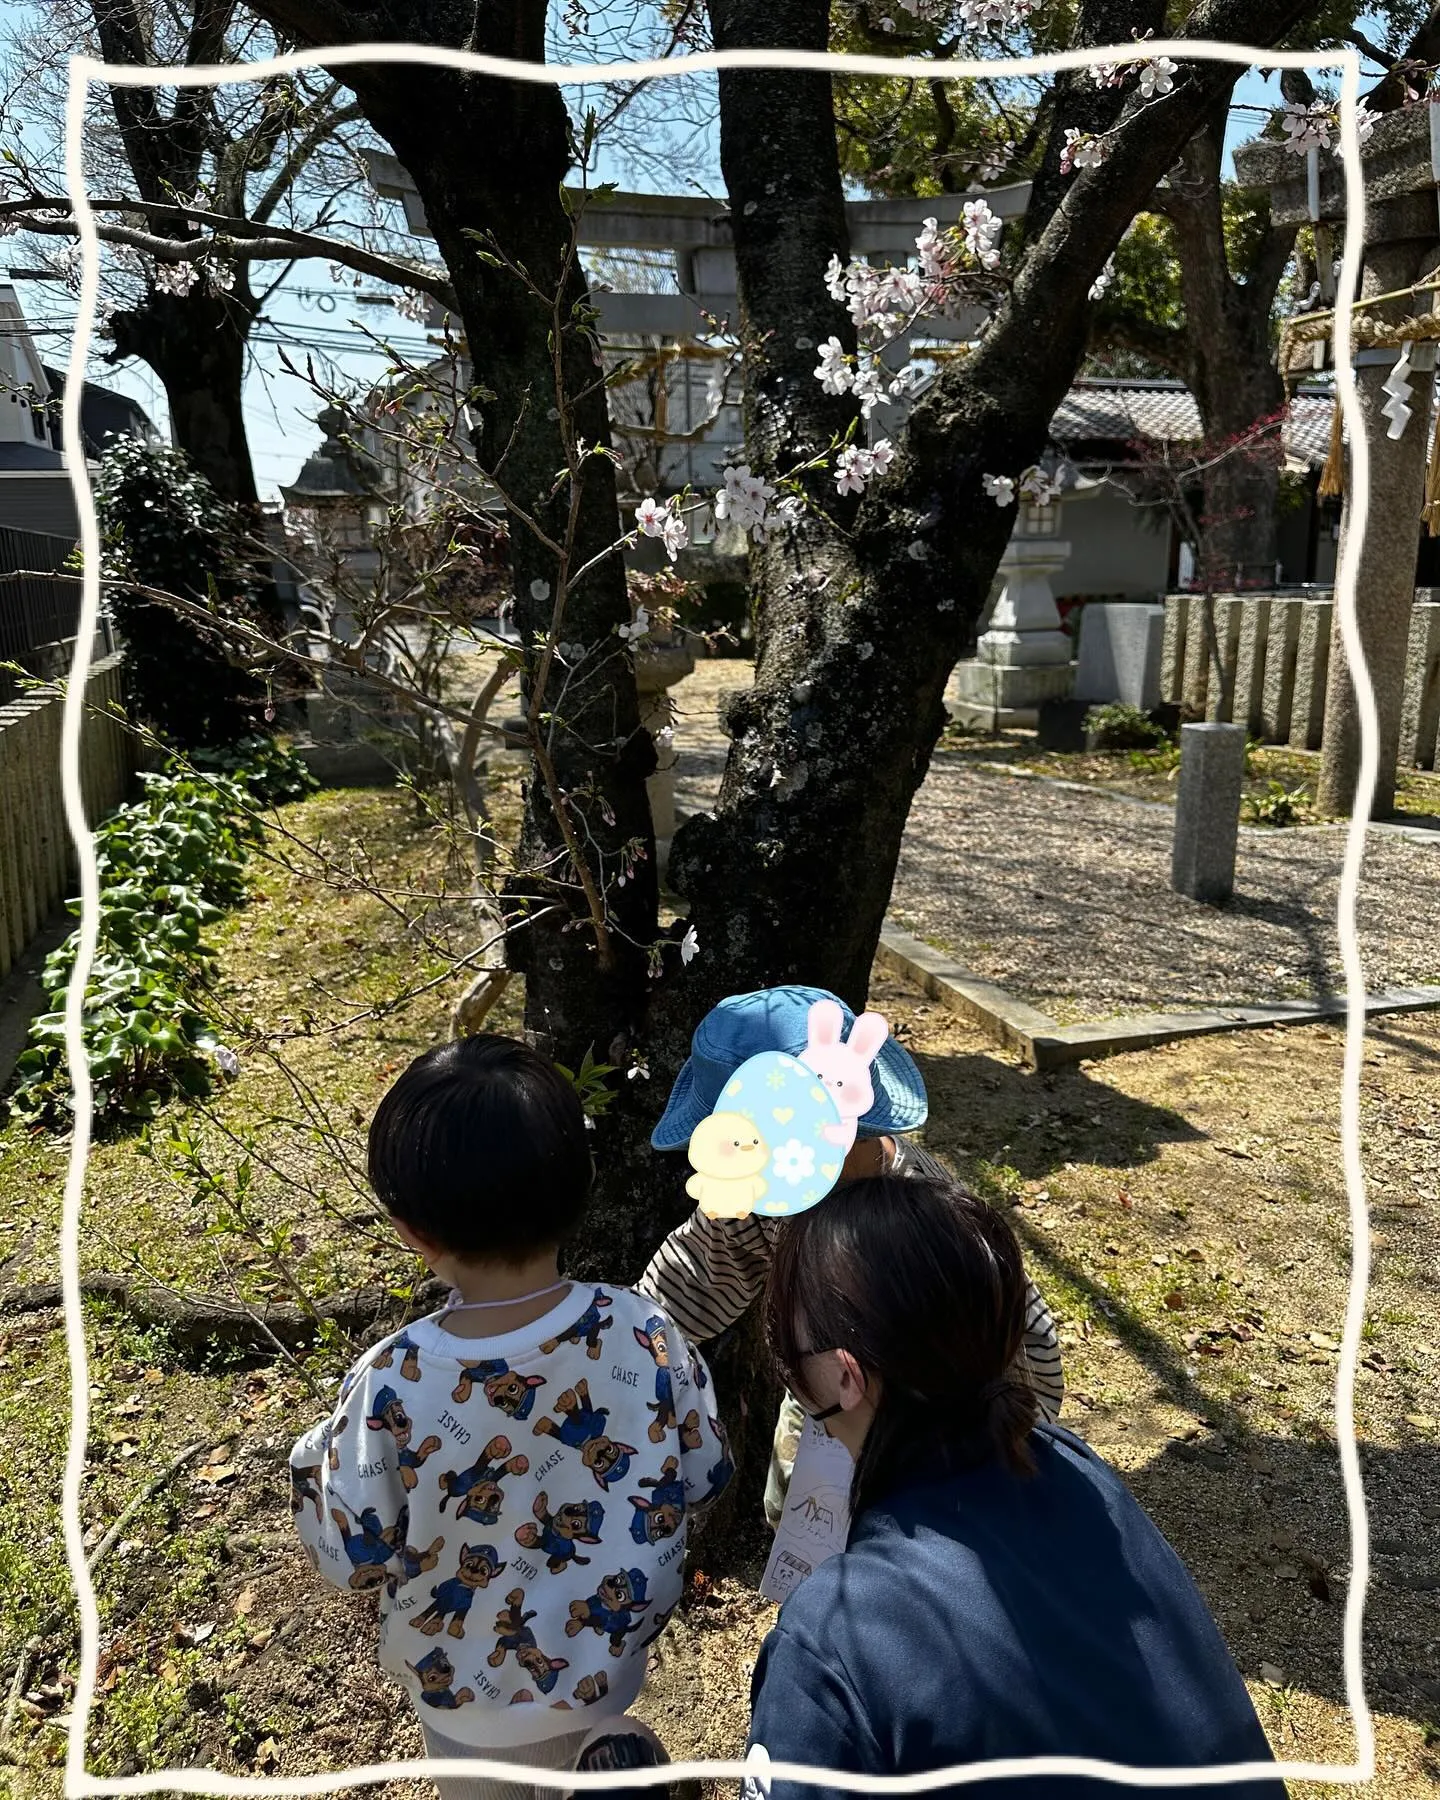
pixel 338 494
pixel 1401 165
pixel 1023 658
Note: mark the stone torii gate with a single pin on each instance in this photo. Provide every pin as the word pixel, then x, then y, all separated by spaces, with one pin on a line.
pixel 1401 250
pixel 696 232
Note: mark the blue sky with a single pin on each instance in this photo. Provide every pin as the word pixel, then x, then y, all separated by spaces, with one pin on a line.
pixel 311 313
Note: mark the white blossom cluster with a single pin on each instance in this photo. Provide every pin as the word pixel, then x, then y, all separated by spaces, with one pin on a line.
pixel 1036 484
pixel 1317 126
pixel 856 465
pixel 176 279
pixel 1083 150
pixel 1101 284
pixel 884 301
pixel 412 306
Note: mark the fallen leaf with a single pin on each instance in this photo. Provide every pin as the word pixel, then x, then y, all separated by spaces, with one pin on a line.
pixel 245 1601
pixel 212 1474
pixel 1421 1421
pixel 1323 1341
pixel 1175 1302
pixel 268 1753
pixel 1272 1673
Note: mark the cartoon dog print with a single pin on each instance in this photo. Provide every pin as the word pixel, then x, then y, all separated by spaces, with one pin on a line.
pixel 653 1339
pixel 583 1429
pixel 556 1534
pixel 413 1564
pixel 303 1487
pixel 333 1433
pixel 479 1565
pixel 515 1634
pixel 719 1477
pixel 586 1329
pixel 504 1387
pixel 478 1487
pixel 591 1688
pixel 661 1515
pixel 410 1367
pixel 372 1546
pixel 435 1672
pixel 389 1414
pixel 612 1609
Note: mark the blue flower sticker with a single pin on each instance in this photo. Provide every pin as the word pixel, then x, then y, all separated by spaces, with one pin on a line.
pixel 765 1147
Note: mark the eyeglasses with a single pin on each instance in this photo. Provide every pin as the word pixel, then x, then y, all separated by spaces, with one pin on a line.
pixel 828 1412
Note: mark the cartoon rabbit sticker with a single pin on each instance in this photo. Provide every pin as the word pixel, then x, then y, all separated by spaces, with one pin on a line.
pixel 844 1067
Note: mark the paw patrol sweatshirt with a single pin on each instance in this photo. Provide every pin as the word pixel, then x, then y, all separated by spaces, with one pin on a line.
pixel 519 1506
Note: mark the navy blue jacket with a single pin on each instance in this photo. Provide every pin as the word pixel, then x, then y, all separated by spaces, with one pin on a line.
pixel 985 1615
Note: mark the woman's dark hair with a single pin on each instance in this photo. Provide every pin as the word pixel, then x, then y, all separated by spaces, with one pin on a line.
pixel 924 1285
pixel 481 1146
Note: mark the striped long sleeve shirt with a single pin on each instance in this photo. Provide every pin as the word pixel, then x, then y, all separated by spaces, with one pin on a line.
pixel 708 1271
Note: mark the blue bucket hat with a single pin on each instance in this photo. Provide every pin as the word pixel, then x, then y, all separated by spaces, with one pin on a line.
pixel 778 1018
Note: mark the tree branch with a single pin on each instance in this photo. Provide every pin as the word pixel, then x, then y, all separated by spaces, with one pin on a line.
pixel 236 239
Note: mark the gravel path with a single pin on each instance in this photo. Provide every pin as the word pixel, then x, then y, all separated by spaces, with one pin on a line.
pixel 1064 897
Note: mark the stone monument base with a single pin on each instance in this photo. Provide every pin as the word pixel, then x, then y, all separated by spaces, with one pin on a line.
pixel 1005 696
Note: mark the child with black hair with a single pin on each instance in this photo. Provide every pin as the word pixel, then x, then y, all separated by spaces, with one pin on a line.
pixel 543 1439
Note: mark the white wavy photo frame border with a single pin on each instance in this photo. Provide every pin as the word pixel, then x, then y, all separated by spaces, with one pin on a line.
pixel 85 70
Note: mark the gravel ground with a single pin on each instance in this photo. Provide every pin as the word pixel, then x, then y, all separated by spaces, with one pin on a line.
pixel 1086 878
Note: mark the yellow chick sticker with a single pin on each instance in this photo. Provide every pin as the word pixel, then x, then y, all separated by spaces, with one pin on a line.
pixel 727 1153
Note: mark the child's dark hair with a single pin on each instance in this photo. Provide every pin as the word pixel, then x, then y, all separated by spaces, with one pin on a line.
pixel 481 1147
pixel 925 1286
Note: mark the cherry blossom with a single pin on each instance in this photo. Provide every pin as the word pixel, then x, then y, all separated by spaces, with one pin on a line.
pixel 833 373
pixel 1107 74
pixel 1100 285
pixel 1083 150
pixel 1039 486
pixel 982 231
pixel 412 306
pixel 870 389
pixel 663 520
pixel 1000 15
pixel 1157 77
pixel 637 628
pixel 855 465
pixel 221 277
pixel 1308 125
pixel 176 278
pixel 689 946
pixel 744 499
pixel 1001 489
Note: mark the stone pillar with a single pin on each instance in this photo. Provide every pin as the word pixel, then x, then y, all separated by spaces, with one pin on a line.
pixel 1023 659
pixel 1120 648
pixel 1248 707
pixel 1172 652
pixel 1219 699
pixel 1312 673
pixel 1207 811
pixel 1282 643
pixel 1420 720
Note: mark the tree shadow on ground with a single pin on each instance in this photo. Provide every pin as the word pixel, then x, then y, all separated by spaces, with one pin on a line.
pixel 982 1109
pixel 1262 1523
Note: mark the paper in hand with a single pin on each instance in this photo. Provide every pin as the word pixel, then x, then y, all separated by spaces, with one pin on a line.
pixel 816 1520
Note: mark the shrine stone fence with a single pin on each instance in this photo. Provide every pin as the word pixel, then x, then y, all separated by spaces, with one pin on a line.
pixel 1275 652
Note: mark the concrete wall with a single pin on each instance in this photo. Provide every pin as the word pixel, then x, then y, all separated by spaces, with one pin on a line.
pixel 37 859
pixel 1115 548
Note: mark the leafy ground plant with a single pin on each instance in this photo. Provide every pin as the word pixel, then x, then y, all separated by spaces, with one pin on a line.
pixel 169 865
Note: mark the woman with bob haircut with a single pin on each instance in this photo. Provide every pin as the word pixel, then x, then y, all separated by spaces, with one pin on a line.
pixel 1001 1594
